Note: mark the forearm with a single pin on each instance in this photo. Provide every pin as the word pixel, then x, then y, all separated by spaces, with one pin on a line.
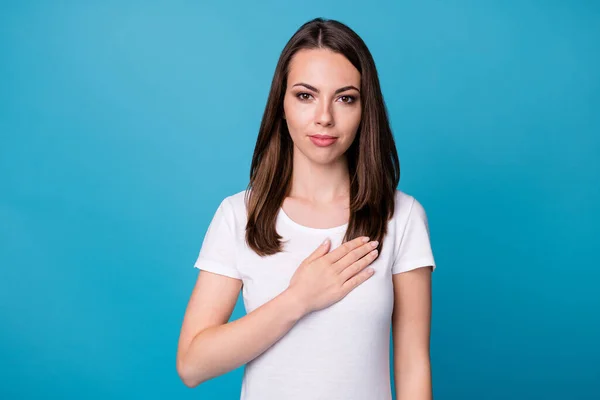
pixel 220 349
pixel 413 380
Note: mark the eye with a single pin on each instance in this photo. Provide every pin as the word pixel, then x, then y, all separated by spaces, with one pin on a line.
pixel 303 96
pixel 348 99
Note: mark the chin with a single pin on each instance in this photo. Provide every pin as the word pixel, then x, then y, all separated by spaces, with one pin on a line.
pixel 326 156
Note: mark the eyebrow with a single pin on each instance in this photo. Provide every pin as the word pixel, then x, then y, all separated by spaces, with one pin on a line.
pixel 340 90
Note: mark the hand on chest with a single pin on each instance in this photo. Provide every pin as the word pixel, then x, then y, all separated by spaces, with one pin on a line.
pixel 266 277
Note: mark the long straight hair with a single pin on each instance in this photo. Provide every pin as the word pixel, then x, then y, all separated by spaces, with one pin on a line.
pixel 373 164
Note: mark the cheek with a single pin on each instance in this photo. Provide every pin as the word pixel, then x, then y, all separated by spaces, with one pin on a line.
pixel 297 118
pixel 350 122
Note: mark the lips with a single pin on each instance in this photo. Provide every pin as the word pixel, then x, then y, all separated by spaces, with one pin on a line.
pixel 322 140
pixel 323 136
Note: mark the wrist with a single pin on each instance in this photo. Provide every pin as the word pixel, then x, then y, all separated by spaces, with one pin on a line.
pixel 296 305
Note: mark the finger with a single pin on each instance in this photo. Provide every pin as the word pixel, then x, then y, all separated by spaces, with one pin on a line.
pixel 342 250
pixel 357 279
pixel 358 266
pixel 355 255
pixel 319 251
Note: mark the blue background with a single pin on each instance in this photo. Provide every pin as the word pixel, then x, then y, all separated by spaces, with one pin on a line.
pixel 124 124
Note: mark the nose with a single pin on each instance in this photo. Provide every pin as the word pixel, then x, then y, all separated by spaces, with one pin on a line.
pixel 324 116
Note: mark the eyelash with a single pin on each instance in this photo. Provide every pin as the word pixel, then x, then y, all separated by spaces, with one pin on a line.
pixel 352 98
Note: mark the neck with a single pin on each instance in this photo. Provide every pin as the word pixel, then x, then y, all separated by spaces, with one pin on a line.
pixel 320 183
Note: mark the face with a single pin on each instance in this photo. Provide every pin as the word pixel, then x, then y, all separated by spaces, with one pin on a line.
pixel 322 98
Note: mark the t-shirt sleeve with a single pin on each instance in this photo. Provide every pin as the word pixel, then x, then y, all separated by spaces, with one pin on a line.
pixel 218 253
pixel 415 246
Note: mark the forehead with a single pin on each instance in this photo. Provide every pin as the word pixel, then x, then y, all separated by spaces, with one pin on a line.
pixel 322 68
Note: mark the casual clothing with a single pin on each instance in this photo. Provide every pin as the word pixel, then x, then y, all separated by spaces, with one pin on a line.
pixel 337 353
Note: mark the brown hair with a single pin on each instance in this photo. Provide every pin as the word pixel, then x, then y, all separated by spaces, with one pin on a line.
pixel 373 163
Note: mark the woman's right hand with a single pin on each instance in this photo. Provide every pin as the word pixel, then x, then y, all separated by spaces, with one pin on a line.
pixel 323 278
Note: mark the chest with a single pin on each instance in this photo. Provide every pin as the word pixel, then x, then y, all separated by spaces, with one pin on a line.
pixel 266 277
pixel 320 217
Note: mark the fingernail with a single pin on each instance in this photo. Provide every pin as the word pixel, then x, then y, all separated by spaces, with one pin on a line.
pixel 325 242
pixel 365 239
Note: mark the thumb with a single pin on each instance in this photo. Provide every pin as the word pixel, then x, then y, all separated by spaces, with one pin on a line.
pixel 319 251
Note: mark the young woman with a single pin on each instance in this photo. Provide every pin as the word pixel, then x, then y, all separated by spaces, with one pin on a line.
pixel 329 255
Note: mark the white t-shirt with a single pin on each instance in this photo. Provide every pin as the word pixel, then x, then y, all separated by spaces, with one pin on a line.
pixel 337 353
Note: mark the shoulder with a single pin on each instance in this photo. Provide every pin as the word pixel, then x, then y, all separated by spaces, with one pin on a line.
pixel 234 207
pixel 406 207
pixel 236 201
pixel 403 204
pixel 403 199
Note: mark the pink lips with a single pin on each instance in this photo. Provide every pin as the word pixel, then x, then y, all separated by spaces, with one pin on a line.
pixel 322 140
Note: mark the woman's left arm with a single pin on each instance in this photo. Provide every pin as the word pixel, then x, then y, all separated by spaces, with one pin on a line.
pixel 411 327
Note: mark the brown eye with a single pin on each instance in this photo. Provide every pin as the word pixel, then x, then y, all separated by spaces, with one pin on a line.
pixel 347 99
pixel 303 96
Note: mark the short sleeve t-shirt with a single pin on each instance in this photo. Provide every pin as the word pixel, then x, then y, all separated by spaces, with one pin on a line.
pixel 337 353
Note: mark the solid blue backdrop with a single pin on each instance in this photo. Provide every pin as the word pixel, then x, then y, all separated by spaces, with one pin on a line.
pixel 124 124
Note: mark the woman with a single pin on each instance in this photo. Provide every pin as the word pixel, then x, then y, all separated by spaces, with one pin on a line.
pixel 325 169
